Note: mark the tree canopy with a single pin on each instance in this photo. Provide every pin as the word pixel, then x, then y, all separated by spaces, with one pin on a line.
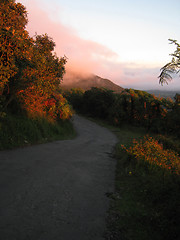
pixel 30 71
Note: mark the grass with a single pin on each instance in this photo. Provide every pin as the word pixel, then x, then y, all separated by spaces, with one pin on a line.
pixel 145 204
pixel 18 131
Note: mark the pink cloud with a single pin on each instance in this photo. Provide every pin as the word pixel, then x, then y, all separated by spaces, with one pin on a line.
pixel 85 56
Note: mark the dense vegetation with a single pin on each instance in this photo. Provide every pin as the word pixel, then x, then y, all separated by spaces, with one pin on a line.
pixel 30 72
pixel 134 107
pixel 146 202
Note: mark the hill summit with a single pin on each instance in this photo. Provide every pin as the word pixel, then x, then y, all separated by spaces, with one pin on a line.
pixel 86 82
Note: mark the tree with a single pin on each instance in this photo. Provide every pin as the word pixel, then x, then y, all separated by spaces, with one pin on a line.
pixel 14 46
pixel 171 67
pixel 30 71
pixel 40 98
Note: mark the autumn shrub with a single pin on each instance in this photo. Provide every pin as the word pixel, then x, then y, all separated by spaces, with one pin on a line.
pixel 39 104
pixel 61 110
pixel 151 151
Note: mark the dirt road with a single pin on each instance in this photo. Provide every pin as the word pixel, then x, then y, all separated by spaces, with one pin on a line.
pixel 56 191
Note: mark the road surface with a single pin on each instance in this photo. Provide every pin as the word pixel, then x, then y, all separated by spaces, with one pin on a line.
pixel 57 191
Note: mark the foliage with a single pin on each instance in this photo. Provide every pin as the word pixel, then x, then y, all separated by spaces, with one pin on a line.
pixel 145 204
pixel 134 107
pixel 39 104
pixel 98 102
pixel 171 67
pixel 75 97
pixel 14 42
pixel 149 150
pixel 30 71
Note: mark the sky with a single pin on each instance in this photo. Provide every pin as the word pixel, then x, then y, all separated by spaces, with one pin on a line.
pixel 125 41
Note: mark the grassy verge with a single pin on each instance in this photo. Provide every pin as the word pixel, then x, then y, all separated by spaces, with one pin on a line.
pixel 18 131
pixel 145 204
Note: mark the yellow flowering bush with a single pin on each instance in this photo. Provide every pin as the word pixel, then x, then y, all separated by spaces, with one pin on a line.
pixel 151 151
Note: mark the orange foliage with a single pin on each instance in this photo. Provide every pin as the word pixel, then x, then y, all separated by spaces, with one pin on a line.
pixel 29 69
pixel 33 101
pixel 36 103
pixel 149 150
pixel 14 40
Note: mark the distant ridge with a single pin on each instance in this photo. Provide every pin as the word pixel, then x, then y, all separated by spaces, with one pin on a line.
pixel 164 94
pixel 87 82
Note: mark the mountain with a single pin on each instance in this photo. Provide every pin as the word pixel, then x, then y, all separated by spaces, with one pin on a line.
pixel 89 81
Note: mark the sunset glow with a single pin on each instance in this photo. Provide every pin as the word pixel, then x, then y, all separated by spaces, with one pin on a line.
pixel 126 42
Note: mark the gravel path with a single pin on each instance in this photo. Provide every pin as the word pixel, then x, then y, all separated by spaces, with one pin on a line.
pixel 56 191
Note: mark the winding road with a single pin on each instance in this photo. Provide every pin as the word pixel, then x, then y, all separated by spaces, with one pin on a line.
pixel 57 191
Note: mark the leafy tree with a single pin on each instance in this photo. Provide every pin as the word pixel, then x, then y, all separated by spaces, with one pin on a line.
pixel 44 76
pixel 30 72
pixel 49 68
pixel 171 67
pixel 15 47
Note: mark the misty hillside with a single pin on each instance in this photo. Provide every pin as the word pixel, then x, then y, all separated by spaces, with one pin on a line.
pixel 87 82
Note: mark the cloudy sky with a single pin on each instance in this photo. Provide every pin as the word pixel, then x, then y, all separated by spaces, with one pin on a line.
pixel 123 40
